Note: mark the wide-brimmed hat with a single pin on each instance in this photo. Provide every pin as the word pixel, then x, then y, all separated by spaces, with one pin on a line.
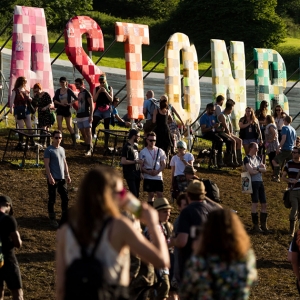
pixel 161 203
pixel 189 170
pixel 197 187
pixel 5 199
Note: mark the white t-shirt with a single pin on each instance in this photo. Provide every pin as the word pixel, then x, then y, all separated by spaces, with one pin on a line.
pixel 149 157
pixel 179 165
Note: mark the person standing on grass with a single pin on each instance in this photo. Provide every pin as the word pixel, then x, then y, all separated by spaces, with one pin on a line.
pixel 284 151
pixel 10 238
pixel 131 163
pixel 57 176
pixel 85 114
pixel 63 100
pixel 289 175
pixel 154 162
pixel 103 97
pixel 254 166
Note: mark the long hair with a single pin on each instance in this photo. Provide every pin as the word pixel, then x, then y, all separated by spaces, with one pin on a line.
pixel 270 119
pixel 252 115
pixel 224 235
pixel 20 82
pixel 282 113
pixel 94 203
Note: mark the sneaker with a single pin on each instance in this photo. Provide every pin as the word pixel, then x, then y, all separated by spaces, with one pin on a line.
pixel 88 153
pixel 83 144
pixel 94 136
pixel 54 223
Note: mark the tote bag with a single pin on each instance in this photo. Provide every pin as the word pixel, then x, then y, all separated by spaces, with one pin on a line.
pixel 246 183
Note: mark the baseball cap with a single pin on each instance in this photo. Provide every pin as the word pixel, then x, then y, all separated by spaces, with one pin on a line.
pixel 5 199
pixel 189 170
pixel 161 203
pixel 196 187
pixel 181 144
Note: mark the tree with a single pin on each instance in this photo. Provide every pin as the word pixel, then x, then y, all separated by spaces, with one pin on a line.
pixel 57 12
pixel 252 21
pixel 125 9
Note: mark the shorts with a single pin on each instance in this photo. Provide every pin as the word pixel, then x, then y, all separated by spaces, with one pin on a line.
pixel 153 185
pixel 249 141
pixel 84 124
pixel 102 114
pixel 283 156
pixel 63 111
pixel 258 192
pixel 10 273
pixel 19 108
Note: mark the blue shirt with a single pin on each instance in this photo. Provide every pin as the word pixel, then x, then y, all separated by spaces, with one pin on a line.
pixel 291 136
pixel 208 121
pixel 147 105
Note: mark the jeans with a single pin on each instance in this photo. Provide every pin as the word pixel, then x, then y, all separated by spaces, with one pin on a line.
pixel 60 186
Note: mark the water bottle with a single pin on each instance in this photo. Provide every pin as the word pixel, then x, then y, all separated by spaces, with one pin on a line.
pixel 133 205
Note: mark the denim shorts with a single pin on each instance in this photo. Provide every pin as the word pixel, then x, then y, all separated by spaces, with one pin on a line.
pixel 102 114
pixel 17 109
pixel 258 192
pixel 249 141
pixel 84 124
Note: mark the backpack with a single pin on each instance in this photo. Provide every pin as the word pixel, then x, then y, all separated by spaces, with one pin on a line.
pixel 85 277
pixel 153 105
pixel 212 190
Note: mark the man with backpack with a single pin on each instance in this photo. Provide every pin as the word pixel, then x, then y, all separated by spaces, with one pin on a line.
pixel 149 106
pixel 131 162
pixel 10 238
pixel 190 217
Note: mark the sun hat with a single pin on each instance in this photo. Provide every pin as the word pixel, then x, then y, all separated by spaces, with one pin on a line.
pixel 161 203
pixel 181 144
pixel 196 187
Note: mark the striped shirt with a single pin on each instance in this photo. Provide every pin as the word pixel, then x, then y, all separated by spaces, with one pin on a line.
pixel 292 168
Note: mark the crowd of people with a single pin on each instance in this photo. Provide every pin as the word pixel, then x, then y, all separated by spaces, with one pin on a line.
pixel 129 249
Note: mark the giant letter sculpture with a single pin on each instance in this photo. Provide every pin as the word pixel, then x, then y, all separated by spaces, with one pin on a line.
pixel 191 104
pixel 30 48
pixel 267 87
pixel 75 28
pixel 134 36
pixel 223 79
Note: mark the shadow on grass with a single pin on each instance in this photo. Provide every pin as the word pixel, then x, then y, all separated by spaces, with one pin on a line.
pixel 36 257
pixel 270 264
pixel 40 223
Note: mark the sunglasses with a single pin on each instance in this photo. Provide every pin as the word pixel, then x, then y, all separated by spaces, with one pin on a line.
pixel 102 82
pixel 58 137
pixel 295 152
pixel 121 193
pixel 278 109
pixel 180 147
pixel 151 140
